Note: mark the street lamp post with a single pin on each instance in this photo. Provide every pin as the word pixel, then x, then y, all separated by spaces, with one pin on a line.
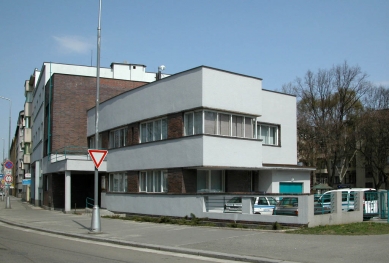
pixel 96 224
pixel 8 203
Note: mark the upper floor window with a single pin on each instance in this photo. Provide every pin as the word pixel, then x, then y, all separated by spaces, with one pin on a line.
pixel 193 122
pixel 92 143
pixel 219 123
pixel 268 134
pixel 118 138
pixel 29 96
pixel 155 130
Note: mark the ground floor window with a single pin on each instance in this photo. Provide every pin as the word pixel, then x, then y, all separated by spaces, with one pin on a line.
pixel 118 182
pixel 153 181
pixel 210 181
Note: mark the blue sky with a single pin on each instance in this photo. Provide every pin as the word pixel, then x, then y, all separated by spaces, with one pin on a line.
pixel 276 40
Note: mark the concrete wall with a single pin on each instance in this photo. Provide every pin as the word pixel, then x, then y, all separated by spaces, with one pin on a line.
pixel 181 205
pixel 201 150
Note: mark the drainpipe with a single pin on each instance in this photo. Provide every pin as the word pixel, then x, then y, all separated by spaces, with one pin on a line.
pixel 49 119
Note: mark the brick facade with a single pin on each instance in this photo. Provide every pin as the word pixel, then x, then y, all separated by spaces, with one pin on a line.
pixel 71 97
pixel 133 181
pixel 175 126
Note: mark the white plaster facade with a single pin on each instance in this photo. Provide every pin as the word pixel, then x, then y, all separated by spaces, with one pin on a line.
pixel 208 89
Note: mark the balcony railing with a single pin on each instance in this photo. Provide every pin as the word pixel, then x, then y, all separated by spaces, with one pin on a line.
pixel 70 152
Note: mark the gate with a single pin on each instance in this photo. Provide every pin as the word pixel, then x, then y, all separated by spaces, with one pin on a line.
pixel 383 204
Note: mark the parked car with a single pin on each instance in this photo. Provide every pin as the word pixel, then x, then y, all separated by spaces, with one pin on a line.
pixel 289 206
pixel 263 205
pixel 234 205
pixel 370 200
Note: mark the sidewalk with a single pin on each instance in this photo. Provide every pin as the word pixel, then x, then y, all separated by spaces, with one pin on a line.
pixel 244 245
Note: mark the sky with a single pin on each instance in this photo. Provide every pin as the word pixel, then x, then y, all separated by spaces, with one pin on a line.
pixel 277 40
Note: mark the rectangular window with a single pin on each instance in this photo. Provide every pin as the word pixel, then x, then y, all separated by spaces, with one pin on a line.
pixel 118 182
pixel 155 130
pixel 218 123
pixel 210 181
pixel 117 138
pixel 153 181
pixel 237 126
pixel 210 123
pixel 193 123
pixel 188 123
pixel 92 143
pixel 268 134
pixel 224 124
pixel 248 127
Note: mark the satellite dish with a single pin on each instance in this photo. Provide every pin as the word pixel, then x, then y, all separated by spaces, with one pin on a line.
pixel 161 68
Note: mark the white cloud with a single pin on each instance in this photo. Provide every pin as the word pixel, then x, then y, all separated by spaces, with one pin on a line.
pixel 384 83
pixel 74 44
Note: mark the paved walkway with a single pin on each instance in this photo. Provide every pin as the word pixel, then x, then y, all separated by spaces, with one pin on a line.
pixel 244 245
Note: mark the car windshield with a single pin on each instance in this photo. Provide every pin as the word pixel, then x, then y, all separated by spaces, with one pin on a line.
pixel 289 201
pixel 235 200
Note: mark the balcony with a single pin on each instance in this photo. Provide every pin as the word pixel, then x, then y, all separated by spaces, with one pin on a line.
pixel 27 135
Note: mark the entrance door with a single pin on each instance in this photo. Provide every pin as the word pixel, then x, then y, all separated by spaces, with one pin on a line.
pixel 291 188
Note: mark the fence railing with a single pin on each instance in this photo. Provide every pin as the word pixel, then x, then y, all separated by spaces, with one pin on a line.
pixel 70 152
pixel 89 202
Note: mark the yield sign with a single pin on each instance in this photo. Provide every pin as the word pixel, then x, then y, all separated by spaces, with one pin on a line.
pixel 97 156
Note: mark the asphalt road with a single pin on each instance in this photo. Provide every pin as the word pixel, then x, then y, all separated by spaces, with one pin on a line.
pixel 23 245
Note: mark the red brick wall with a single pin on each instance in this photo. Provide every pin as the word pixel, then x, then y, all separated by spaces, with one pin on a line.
pixel 175 126
pixel 175 181
pixel 72 96
pixel 238 181
pixel 133 181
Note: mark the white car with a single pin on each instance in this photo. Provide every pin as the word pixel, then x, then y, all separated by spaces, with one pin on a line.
pixel 263 205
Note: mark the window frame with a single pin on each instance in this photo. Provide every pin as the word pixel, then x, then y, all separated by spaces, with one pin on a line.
pixel 269 127
pixel 208 182
pixel 121 183
pixel 215 124
pixel 120 134
pixel 144 184
pixel 147 135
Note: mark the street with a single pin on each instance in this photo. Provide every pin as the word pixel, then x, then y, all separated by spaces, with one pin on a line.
pixel 25 245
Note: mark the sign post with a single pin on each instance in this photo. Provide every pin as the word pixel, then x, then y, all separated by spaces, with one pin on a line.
pixel 8 165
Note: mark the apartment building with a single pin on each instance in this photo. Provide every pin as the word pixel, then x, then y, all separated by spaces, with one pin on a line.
pixel 201 132
pixel 57 98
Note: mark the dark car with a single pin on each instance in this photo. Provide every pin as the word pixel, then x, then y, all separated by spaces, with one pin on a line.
pixel 234 205
pixel 289 206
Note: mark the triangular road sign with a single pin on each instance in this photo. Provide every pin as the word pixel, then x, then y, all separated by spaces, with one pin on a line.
pixel 97 156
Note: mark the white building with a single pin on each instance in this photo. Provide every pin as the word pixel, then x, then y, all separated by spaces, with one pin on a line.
pixel 202 131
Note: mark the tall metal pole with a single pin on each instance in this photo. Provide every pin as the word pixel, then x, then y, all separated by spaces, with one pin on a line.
pixel 96 225
pixel 9 128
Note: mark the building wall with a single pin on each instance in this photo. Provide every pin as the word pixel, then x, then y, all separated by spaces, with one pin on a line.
pixel 280 109
pixel 198 87
pixel 72 96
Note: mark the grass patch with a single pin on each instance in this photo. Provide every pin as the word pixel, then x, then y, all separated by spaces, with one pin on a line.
pixel 365 228
pixel 191 220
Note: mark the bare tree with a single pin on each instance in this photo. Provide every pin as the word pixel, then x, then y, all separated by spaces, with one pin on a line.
pixel 372 135
pixel 328 102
